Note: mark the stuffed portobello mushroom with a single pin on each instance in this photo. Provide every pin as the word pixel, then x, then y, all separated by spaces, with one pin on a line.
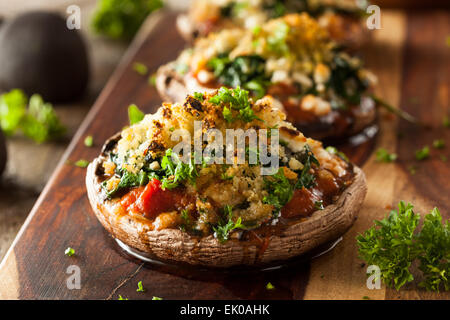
pixel 231 208
pixel 325 92
pixel 342 18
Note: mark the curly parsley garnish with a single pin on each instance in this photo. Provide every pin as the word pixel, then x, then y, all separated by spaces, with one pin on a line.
pixel 423 153
pixel 234 99
pixel 226 224
pixel 393 246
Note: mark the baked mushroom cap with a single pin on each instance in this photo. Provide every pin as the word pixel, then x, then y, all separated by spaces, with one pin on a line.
pixel 176 245
pixel 341 18
pixel 324 192
pixel 325 92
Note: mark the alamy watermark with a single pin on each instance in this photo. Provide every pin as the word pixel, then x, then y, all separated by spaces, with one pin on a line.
pixel 262 147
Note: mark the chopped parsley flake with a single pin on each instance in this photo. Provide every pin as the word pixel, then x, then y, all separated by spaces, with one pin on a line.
pixel 140 287
pixel 69 252
pixel 226 225
pixel 199 96
pixel 383 155
pixel 122 298
pixel 439 143
pixel 234 99
pixel 134 114
pixel 82 163
pixel 140 68
pixel 89 141
pixel 270 286
pixel 157 298
pixel 319 205
pixel 423 153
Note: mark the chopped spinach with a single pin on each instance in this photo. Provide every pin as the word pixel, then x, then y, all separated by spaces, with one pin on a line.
pixel 245 71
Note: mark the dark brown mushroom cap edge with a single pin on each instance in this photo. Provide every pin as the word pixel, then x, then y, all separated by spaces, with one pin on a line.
pixel 174 245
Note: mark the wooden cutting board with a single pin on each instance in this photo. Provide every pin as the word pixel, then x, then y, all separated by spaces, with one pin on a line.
pixel 409 55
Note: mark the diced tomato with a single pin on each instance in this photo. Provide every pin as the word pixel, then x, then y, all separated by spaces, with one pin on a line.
pixel 301 204
pixel 151 200
pixel 130 198
pixel 154 200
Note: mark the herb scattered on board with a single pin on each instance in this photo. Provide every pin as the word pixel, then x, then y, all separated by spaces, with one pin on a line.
pixel 423 153
pixel 446 122
pixel 135 115
pixel 82 163
pixel 35 118
pixel 69 252
pixel 157 298
pixel 140 68
pixel 152 80
pixel 89 141
pixel 122 298
pixel 383 155
pixel 270 286
pixel 393 245
pixel 439 143
pixel 121 19
pixel 140 287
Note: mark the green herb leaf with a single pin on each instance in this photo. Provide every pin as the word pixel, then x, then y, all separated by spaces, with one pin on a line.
pixel 157 298
pixel 234 99
pixel 140 287
pixel 89 141
pixel 383 155
pixel 388 245
pixel 335 151
pixel 82 163
pixel 122 298
pixel 121 19
pixel 439 143
pixel 434 247
pixel 140 68
pixel 319 205
pixel 244 71
pixel 38 121
pixel 69 252
pixel 269 286
pixel 134 114
pixel 279 188
pixel 306 179
pixel 199 96
pixel 226 225
pixel 423 153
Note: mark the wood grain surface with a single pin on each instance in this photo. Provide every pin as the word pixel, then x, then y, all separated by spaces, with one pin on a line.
pixel 411 59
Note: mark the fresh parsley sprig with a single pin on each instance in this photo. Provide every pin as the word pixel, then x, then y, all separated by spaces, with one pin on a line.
pixel 235 99
pixel 35 118
pixel 393 245
pixel 226 225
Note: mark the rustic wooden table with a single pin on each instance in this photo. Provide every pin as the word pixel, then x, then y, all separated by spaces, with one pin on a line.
pixel 411 58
